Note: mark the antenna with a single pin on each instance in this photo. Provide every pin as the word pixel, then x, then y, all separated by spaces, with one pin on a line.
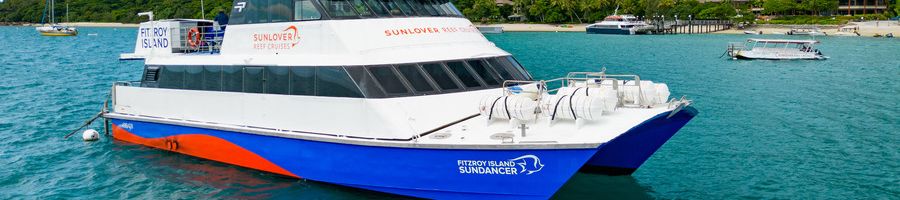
pixel 150 14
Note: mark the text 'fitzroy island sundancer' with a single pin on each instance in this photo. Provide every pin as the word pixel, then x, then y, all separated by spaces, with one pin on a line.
pixel 397 96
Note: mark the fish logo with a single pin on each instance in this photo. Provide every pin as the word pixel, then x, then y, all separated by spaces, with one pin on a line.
pixel 296 35
pixel 240 6
pixel 529 164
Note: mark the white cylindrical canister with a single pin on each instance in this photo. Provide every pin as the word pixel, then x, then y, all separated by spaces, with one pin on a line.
pixel 508 107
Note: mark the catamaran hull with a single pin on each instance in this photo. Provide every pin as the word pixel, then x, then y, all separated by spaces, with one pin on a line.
pixel 624 154
pixel 419 172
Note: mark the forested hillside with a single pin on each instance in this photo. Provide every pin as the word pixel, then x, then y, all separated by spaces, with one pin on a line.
pixel 124 11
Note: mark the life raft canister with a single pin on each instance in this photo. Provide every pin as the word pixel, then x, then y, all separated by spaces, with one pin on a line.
pixel 193 38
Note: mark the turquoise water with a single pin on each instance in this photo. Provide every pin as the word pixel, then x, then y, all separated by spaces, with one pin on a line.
pixel 766 129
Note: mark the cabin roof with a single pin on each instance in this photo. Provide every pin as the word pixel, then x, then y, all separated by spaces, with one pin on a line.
pixel 784 41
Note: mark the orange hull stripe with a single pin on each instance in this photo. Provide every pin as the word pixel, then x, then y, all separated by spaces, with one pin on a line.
pixel 204 146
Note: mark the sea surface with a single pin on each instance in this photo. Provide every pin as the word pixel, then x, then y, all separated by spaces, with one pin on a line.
pixel 766 130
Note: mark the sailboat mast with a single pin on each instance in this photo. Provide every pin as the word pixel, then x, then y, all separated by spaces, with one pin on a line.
pixel 67 12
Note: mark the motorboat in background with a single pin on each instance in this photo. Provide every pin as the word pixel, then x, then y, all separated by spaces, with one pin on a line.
pixel 773 49
pixel 53 29
pixel 845 31
pixel 806 30
pixel 618 24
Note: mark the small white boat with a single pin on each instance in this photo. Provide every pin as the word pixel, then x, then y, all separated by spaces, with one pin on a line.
pixel 490 29
pixel 812 31
pixel 775 50
pixel 847 31
pixel 753 32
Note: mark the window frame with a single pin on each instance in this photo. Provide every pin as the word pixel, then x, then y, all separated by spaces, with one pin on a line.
pixel 409 88
pixel 435 89
pixel 459 85
pixel 481 84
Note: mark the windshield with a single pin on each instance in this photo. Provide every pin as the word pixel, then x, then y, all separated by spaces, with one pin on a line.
pixel 270 11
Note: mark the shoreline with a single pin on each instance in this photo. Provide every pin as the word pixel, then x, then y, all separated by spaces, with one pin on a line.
pixel 866 29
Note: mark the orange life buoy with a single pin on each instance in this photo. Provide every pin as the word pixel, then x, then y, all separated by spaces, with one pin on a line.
pixel 193 37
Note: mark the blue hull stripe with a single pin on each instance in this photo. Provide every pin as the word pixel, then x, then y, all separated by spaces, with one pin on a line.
pixel 427 173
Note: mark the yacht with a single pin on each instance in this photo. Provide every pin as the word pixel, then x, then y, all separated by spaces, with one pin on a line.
pixel 774 49
pixel 618 24
pixel 54 29
pixel 401 97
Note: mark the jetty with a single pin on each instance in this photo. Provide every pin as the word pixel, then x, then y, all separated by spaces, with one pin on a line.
pixel 690 26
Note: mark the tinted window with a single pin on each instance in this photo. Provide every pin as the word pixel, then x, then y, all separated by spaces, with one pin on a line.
pixel 392 7
pixel 279 10
pixel 212 78
pixel 423 10
pixel 338 8
pixel 488 75
pixel 277 80
pixel 253 80
pixel 404 6
pixel 172 77
pixel 306 10
pixel 463 74
pixel 193 79
pixel 378 8
pixel 232 78
pixel 361 8
pixel 303 80
pixel 365 82
pixel 516 73
pixel 261 11
pixel 151 75
pixel 389 81
pixel 439 75
pixel 415 78
pixel 515 64
pixel 495 64
pixel 334 82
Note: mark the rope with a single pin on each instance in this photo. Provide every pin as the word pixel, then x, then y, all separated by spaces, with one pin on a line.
pixel 491 114
pixel 572 107
pixel 555 108
pixel 506 107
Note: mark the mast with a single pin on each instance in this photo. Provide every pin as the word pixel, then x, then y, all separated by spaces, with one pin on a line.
pixel 202 11
pixel 67 12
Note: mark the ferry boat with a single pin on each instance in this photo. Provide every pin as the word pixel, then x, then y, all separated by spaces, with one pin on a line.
pixel 774 49
pixel 401 97
pixel 618 24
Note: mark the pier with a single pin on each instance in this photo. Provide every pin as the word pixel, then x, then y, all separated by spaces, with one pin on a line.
pixel 690 26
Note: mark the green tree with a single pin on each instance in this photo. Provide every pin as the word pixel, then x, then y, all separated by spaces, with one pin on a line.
pixel 723 10
pixel 816 7
pixel 778 6
pixel 482 10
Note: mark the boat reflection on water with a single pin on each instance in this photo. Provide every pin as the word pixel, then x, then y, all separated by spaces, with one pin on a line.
pixel 603 187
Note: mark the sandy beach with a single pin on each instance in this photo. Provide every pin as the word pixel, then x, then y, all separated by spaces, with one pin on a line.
pixel 540 27
pixel 869 28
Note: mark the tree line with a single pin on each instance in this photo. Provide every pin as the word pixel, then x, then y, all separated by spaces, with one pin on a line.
pixel 588 11
pixel 533 11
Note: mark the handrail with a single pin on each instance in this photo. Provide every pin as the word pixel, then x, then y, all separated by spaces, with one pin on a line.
pixel 601 78
pixel 209 38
